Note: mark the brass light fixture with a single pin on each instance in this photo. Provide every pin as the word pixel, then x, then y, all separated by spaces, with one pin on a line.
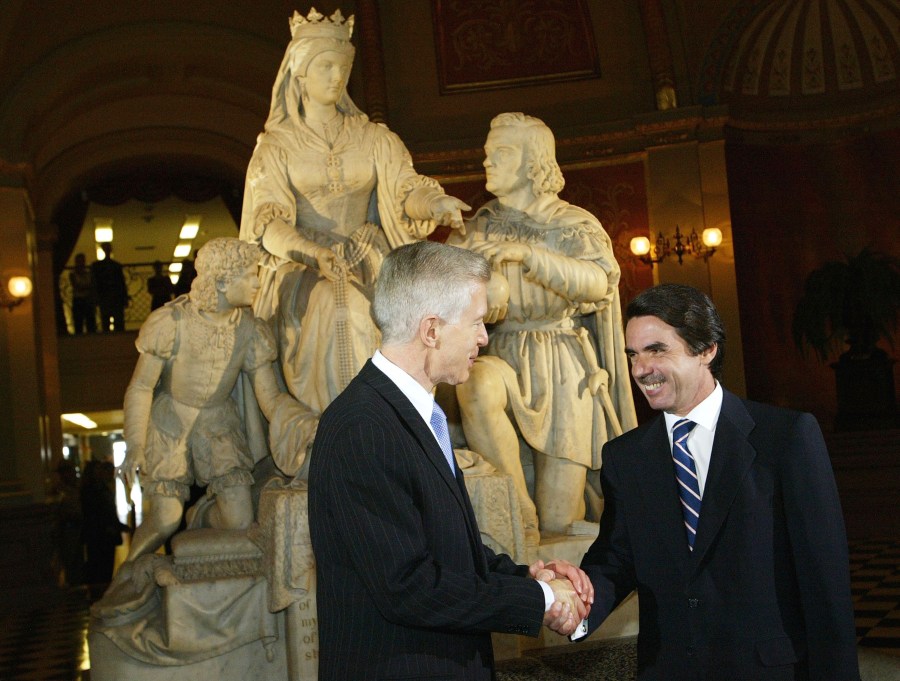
pixel 691 244
pixel 16 290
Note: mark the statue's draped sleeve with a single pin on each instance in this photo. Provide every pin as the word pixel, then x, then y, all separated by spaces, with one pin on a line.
pixel 397 182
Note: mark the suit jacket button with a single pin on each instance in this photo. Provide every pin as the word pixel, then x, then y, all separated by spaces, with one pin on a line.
pixel 693 602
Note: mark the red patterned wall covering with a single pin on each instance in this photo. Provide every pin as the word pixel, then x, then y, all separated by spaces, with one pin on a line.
pixel 507 42
pixel 617 195
pixel 794 208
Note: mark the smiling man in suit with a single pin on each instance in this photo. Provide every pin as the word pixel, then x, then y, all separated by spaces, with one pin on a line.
pixel 405 588
pixel 723 514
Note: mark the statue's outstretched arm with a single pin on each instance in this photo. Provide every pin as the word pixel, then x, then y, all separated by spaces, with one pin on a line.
pixel 266 389
pixel 138 400
pixel 292 425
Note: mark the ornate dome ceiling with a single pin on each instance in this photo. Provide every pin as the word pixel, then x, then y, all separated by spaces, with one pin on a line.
pixel 808 55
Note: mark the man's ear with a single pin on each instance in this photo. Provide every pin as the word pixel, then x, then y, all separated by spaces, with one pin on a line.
pixel 221 285
pixel 709 354
pixel 430 330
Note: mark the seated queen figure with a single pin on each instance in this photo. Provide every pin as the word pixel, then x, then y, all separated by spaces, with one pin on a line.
pixel 328 193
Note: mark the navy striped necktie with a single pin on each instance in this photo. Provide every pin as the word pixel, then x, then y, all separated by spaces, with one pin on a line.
pixel 686 474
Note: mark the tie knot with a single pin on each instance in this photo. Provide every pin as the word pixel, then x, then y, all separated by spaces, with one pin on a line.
pixel 682 429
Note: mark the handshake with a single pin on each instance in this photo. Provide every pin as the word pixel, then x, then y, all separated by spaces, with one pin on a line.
pixel 573 594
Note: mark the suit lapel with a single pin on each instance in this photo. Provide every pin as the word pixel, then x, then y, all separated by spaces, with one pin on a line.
pixel 656 480
pixel 732 456
pixel 412 419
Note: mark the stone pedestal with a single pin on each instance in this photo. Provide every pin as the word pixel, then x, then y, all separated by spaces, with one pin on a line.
pixel 290 570
pixel 203 610
pixel 235 605
pixel 250 661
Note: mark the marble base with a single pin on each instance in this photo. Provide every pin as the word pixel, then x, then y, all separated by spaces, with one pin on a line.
pixel 249 661
pixel 283 560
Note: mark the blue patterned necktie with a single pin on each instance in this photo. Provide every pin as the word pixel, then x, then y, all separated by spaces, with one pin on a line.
pixel 686 474
pixel 439 424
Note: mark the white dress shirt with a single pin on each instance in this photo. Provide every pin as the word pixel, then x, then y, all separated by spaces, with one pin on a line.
pixel 421 399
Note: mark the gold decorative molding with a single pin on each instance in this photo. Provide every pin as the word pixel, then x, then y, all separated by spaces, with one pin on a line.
pixel 660 54
pixel 887 113
pixel 628 137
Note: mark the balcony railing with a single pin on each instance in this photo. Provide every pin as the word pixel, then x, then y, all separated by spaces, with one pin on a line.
pixel 136 276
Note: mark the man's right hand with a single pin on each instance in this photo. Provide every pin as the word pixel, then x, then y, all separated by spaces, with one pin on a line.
pixel 567 611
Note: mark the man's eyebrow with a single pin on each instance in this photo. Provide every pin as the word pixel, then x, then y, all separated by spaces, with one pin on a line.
pixel 653 347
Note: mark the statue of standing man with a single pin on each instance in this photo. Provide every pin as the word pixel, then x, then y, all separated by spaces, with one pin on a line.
pixel 545 376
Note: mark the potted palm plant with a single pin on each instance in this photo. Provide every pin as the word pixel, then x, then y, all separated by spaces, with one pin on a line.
pixel 854 303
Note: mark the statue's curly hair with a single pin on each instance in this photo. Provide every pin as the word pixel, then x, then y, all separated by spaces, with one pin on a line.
pixel 220 260
pixel 539 146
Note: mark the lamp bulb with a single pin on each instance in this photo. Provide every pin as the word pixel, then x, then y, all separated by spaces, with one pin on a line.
pixel 712 237
pixel 19 287
pixel 640 245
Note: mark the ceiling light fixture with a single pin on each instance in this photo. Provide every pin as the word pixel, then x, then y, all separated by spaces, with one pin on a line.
pixel 103 230
pixel 80 420
pixel 190 228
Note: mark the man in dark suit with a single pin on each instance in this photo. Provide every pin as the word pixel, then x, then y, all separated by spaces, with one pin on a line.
pixel 723 514
pixel 405 587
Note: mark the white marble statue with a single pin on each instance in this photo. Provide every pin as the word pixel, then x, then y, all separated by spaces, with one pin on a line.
pixel 554 372
pixel 328 193
pixel 197 609
pixel 181 424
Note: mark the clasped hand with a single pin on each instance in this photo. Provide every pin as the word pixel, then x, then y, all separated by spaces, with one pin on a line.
pixel 572 591
pixel 330 265
pixel 498 252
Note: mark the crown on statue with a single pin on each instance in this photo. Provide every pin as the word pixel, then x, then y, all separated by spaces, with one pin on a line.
pixel 317 25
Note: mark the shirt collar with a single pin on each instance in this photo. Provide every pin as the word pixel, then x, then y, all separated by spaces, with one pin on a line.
pixel 705 414
pixel 421 399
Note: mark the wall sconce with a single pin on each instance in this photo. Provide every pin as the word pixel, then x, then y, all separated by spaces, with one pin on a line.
pixel 691 244
pixel 17 289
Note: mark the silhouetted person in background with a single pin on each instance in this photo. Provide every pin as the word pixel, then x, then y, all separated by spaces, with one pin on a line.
pixel 160 287
pixel 84 297
pixel 102 527
pixel 67 495
pixel 187 276
pixel 112 292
